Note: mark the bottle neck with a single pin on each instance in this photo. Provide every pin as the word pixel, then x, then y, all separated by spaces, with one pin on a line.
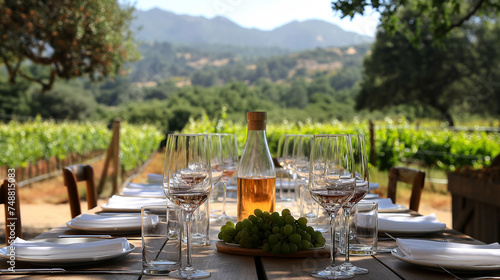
pixel 256 159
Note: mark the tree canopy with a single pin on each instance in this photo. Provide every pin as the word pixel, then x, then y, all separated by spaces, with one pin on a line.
pixel 444 15
pixel 449 76
pixel 70 38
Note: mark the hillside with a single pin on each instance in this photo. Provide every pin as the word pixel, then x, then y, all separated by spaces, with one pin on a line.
pixel 190 65
pixel 157 25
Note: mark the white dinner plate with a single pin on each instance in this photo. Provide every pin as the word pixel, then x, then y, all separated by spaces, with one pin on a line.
pixel 373 186
pixel 435 264
pixel 67 260
pixel 123 209
pixel 371 196
pixel 107 229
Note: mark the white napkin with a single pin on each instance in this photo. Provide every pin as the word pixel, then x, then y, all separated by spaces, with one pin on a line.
pixel 409 223
pixel 50 250
pixel 449 253
pixel 151 192
pixel 98 221
pixel 155 178
pixel 133 202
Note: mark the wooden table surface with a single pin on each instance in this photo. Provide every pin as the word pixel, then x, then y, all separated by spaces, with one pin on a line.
pixel 227 266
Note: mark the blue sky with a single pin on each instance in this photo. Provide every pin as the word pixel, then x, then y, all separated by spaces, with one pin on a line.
pixel 263 14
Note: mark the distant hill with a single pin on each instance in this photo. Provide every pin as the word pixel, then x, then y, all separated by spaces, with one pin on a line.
pixel 161 26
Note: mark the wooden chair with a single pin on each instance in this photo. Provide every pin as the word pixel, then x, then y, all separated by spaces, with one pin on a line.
pixel 10 198
pixel 407 175
pixel 74 174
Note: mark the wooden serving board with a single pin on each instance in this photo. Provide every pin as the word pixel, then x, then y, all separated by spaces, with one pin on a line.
pixel 237 250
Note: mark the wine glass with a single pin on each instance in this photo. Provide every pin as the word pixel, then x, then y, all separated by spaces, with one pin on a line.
pixel 187 182
pixel 332 184
pixel 285 158
pixel 228 166
pixel 361 176
pixel 301 165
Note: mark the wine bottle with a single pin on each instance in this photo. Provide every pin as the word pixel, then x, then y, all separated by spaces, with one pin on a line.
pixel 256 174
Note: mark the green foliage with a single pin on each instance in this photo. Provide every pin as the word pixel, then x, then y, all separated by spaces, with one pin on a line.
pixel 70 38
pixel 441 148
pixel 444 15
pixel 137 143
pixel 64 101
pixel 443 77
pixel 24 143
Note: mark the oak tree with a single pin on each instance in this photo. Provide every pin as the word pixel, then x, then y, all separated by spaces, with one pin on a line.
pixel 70 38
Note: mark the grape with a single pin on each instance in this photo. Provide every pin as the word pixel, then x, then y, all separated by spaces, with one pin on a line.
pixel 287 229
pixel 306 244
pixel 293 248
pixel 253 219
pixel 223 228
pixel 229 224
pixel 302 221
pixel 266 215
pixel 310 230
pixel 239 226
pixel 321 240
pixel 276 229
pixel 281 221
pixel 273 239
pixel 254 229
pixel 295 238
pixel 266 227
pixel 285 212
pixel 227 238
pixel 317 234
pixel 244 235
pixel 289 219
pixel 275 215
pixel 220 235
pixel 306 236
pixel 258 212
pixel 247 223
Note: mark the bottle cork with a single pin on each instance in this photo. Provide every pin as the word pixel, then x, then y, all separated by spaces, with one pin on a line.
pixel 256 120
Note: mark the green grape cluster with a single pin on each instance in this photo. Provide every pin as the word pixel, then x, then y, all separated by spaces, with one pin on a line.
pixel 277 234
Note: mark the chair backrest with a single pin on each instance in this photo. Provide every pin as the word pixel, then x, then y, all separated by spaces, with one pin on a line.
pixel 10 198
pixel 407 175
pixel 74 174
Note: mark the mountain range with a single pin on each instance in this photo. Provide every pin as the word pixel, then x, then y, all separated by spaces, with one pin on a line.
pixel 158 25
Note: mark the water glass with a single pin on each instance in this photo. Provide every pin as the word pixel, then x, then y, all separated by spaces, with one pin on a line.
pixel 201 226
pixel 363 230
pixel 161 246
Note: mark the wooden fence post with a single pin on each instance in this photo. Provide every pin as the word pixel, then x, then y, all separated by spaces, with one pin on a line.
pixel 114 155
pixel 372 144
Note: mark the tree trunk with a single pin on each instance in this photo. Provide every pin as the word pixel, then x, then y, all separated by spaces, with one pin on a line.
pixel 447 117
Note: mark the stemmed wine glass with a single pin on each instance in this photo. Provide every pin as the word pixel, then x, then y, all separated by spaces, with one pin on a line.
pixel 228 166
pixel 361 176
pixel 301 165
pixel 332 184
pixel 187 182
pixel 285 158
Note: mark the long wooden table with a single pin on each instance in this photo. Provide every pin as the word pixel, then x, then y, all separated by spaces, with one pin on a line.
pixel 227 266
